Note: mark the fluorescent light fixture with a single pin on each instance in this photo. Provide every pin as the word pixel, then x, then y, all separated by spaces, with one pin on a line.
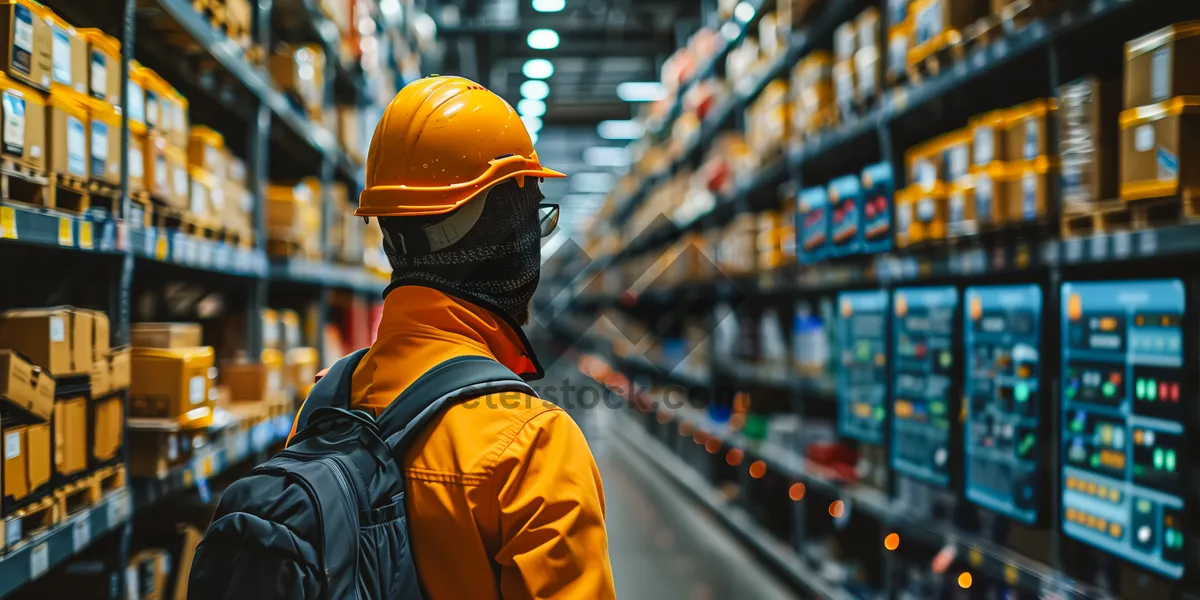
pixel 620 130
pixel 744 11
pixel 535 89
pixel 542 39
pixel 730 30
pixel 604 156
pixel 549 5
pixel 538 68
pixel 592 183
pixel 531 108
pixel 533 124
pixel 641 91
pixel 391 10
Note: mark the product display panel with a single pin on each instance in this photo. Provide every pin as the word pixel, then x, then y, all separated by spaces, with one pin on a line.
pixel 862 373
pixel 1123 395
pixel 1002 343
pixel 923 332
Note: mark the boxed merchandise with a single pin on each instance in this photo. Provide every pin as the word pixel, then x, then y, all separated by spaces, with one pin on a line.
pixel 1026 134
pixel 844 89
pixel 120 369
pixel 270 329
pixel 26 464
pixel 147 573
pixel 300 71
pixel 905 219
pixel 101 378
pixel 289 329
pixel 1158 66
pixel 44 336
pixel 237 209
pixel 177 175
pixel 813 224
pixel 770 242
pixel 205 204
pixel 845 41
pixel 27 54
pixel 301 366
pixel 176 122
pixel 206 149
pixel 254 382
pixel 812 86
pixel 1031 190
pixel 1157 157
pixel 26 386
pixel 924 163
pixel 104 65
pixel 846 204
pixel 68 54
pixel 70 436
pixel 66 135
pixel 135 92
pixel 936 22
pixel 1087 141
pixel 961 219
pixel 106 142
pixel 930 208
pixel 878 185
pixel 989 134
pixel 767 120
pixel 24 133
pixel 157 171
pixel 991 194
pixel 955 148
pixel 108 429
pixel 867 57
pixel 137 157
pixel 173 384
pixel 165 335
pixel 156 89
pixel 899 41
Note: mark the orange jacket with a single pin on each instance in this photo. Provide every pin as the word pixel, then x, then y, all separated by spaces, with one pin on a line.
pixel 507 489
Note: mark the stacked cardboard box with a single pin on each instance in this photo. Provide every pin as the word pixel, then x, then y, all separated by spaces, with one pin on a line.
pixel 172 375
pixel 294 218
pixel 299 70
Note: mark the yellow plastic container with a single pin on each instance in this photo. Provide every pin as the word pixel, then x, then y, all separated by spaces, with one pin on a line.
pixel 105 163
pixel 1027 130
pixel 173 384
pixel 67 136
pixel 177 124
pixel 137 157
pixel 26 57
pixel 1029 193
pixel 923 162
pixel 201 204
pixel 206 149
pixel 158 170
pixel 905 206
pixel 28 133
pixel 930 211
pixel 899 40
pixel 177 173
pixel 135 102
pixel 157 89
pixel 104 65
pixel 990 194
pixel 955 151
pixel 68 53
pixel 988 131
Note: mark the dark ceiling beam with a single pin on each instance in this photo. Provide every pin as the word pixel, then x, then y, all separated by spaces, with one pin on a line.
pixel 574 48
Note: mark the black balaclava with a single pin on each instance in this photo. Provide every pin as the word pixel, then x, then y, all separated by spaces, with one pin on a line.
pixel 495 264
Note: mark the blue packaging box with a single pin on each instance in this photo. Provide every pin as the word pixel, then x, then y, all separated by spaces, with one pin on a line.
pixel 879 191
pixel 846 223
pixel 812 225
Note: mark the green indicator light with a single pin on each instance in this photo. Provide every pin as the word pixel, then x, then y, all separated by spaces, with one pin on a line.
pixel 1021 392
pixel 879 414
pixel 947 360
pixel 1158 458
pixel 1151 389
pixel 1140 391
pixel 1110 390
pixel 1071 392
pixel 1170 457
pixel 1169 537
pixel 937 408
pixel 1095 460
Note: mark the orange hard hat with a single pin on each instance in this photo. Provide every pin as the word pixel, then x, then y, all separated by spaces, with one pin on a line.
pixel 441 142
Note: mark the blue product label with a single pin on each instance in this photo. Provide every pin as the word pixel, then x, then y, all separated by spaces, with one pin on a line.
pixel 60 55
pixel 22 45
pixel 1168 165
pixel 76 147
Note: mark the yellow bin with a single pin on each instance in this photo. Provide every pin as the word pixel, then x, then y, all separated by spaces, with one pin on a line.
pixel 135 102
pixel 177 125
pixel 156 89
pixel 205 149
pixel 158 171
pixel 202 208
pixel 172 384
pixel 1157 157
pixel 27 144
pixel 178 174
pixel 106 142
pixel 26 57
pixel 137 157
pixel 104 65
pixel 67 140
pixel 68 53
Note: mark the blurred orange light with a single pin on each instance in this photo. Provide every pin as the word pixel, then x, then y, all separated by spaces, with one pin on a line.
pixel 713 445
pixel 685 428
pixel 892 541
pixel 664 418
pixel 757 469
pixel 734 458
pixel 964 580
pixel 796 492
pixel 737 421
pixel 699 437
pixel 836 509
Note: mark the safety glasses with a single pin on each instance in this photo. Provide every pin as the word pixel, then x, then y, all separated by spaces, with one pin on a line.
pixel 548 218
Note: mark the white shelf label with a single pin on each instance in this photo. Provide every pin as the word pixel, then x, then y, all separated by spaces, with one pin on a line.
pixel 1121 244
pixel 39 561
pixel 81 531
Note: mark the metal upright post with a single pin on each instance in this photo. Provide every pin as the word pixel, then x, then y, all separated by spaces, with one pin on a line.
pixel 259 172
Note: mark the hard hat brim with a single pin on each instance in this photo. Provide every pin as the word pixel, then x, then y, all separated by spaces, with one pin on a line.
pixel 409 201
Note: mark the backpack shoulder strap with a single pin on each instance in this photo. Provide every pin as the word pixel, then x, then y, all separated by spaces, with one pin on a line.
pixel 333 390
pixel 453 381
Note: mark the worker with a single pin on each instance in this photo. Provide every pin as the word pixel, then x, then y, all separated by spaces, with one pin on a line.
pixel 504 498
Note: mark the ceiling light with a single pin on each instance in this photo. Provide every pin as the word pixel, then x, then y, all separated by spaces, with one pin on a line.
pixel 538 68
pixel 533 137
pixel 542 39
pixel 641 91
pixel 533 124
pixel 744 11
pixel 535 89
pixel 549 5
pixel 619 130
pixel 603 156
pixel 531 108
pixel 730 30
pixel 592 183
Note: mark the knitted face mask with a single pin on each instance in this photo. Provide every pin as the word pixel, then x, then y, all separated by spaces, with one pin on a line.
pixel 488 251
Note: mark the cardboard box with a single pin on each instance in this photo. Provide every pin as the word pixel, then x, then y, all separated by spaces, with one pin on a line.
pixel 106 158
pixel 16 477
pixel 153 453
pixel 1159 149
pixel 300 71
pixel 108 429
pixel 879 188
pixel 146 575
pixel 165 335
pixel 905 206
pixel 254 382
pixel 930 211
pixel 272 337
pixel 120 369
pixel 173 384
pixel 42 335
pixel 289 329
pixel 301 366
pixel 68 54
pixel 104 69
pixel 206 150
pixel 1028 129
pixel 990 194
pixel 67 143
pixel 1158 66
pixel 101 334
pixel 846 202
pixel 82 336
pixel 899 42
pixel 1033 186
pixel 37 455
pixel 26 386
pixel 70 436
pixel 935 21
pixel 101 378
pixel 24 135
pixel 813 217
pixel 26 53
pixel 1087 140
pixel 989 134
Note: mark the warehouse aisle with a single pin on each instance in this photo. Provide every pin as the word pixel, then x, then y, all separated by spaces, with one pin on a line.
pixel 663 546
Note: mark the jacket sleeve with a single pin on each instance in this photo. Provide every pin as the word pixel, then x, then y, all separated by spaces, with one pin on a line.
pixel 551 510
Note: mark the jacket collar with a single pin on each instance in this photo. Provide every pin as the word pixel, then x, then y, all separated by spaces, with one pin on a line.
pixel 437 317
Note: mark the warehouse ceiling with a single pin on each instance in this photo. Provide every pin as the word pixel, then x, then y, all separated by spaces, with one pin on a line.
pixel 602 43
